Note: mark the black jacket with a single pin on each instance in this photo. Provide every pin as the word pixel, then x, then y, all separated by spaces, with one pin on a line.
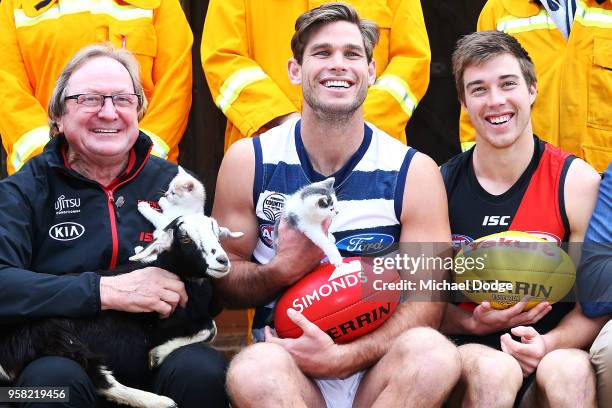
pixel 57 228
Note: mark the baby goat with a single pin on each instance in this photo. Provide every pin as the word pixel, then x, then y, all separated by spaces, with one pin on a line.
pixel 188 246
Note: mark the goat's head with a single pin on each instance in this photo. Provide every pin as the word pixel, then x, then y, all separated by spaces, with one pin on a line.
pixel 190 244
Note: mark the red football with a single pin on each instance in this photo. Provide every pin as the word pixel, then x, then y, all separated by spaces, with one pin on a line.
pixel 344 302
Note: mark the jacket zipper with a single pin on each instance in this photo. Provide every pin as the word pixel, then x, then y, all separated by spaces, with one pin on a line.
pixel 111 209
pixel 113 225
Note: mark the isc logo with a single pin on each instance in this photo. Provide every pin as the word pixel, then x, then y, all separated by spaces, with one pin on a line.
pixel 495 220
pixel 66 231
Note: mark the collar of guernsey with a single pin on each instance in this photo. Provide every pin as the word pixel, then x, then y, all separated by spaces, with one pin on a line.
pixel 33 8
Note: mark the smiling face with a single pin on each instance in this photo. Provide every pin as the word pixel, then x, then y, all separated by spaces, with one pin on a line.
pixel 498 101
pixel 334 73
pixel 109 133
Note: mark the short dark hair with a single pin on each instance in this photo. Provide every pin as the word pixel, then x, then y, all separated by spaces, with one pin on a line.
pixel 330 13
pixel 480 47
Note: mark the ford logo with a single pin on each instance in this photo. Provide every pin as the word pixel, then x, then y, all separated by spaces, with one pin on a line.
pixel 66 231
pixel 365 243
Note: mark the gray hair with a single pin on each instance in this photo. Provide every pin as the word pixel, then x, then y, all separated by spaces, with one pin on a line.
pixel 480 47
pixel 330 13
pixel 57 103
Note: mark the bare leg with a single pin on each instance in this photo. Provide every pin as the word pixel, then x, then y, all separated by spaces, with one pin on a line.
pixel 419 370
pixel 565 378
pixel 489 378
pixel 265 375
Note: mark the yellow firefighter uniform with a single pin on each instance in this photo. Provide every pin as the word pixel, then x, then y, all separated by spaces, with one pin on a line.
pixel 37 38
pixel 573 109
pixel 246 46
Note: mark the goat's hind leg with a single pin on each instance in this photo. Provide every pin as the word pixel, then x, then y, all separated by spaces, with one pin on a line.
pixel 111 389
pixel 158 354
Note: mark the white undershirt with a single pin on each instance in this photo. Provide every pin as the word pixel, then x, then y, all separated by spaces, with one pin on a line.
pixel 562 13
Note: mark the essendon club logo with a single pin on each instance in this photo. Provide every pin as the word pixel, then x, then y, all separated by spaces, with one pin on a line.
pixel 152 203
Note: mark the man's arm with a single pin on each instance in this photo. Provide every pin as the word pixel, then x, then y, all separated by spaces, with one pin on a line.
pixel 168 110
pixel 594 281
pixel 249 284
pixel 241 89
pixel 424 220
pixel 581 188
pixel 399 88
pixel 23 120
pixel 25 294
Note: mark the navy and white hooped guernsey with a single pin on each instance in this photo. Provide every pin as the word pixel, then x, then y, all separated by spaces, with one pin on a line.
pixel 370 189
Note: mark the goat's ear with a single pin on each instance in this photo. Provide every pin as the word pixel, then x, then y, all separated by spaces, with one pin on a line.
pixel 226 233
pixel 162 243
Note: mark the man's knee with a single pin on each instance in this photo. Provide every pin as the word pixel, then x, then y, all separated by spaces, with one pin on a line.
pixel 601 358
pixel 601 350
pixel 564 366
pixel 258 365
pixel 54 371
pixel 192 374
pixel 490 367
pixel 428 351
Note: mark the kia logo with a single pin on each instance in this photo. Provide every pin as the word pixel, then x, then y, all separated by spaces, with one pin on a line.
pixel 66 231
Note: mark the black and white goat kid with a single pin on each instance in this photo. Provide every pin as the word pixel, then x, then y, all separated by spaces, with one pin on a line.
pixel 118 347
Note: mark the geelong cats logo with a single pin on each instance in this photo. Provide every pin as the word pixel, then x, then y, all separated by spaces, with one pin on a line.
pixel 66 231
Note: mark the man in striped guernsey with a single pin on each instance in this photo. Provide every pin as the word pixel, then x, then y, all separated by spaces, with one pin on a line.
pixel 387 193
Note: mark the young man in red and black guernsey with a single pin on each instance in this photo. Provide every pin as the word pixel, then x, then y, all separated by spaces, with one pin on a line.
pixel 511 180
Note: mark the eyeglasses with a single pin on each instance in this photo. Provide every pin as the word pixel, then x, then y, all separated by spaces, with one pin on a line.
pixel 95 102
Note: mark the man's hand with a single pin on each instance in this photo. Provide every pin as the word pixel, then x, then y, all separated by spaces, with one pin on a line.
pixel 296 255
pixel 529 352
pixel 314 351
pixel 487 320
pixel 149 289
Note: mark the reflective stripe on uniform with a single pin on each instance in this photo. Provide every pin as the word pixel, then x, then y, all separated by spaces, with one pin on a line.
pixel 160 148
pixel 593 16
pixel 233 85
pixel 399 89
pixel 27 144
pixel 467 146
pixel 587 16
pixel 513 25
pixel 67 7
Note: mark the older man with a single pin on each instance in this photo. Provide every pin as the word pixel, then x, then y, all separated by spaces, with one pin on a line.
pixel 73 210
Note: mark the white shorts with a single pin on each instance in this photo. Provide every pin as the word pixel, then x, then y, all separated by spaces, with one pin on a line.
pixel 340 393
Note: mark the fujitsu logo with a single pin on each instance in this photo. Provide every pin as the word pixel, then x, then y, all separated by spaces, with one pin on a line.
pixel 65 205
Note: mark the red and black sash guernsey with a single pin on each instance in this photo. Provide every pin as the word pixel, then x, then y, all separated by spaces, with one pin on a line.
pixel 534 204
